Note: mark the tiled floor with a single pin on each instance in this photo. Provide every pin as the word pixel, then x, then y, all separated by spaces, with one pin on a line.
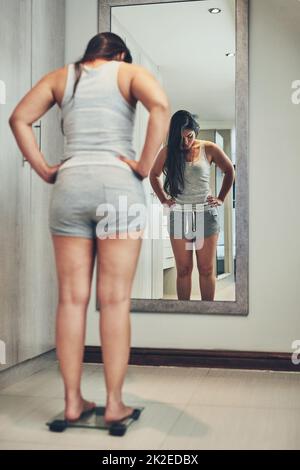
pixel 185 408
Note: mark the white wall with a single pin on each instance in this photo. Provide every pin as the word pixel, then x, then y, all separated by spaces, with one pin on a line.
pixel 143 285
pixel 81 26
pixel 274 169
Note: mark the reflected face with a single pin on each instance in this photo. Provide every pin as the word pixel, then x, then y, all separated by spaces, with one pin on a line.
pixel 187 138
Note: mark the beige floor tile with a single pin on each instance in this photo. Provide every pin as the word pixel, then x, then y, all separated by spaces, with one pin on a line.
pixel 12 409
pixel 45 383
pixel 13 445
pixel 247 388
pixel 185 408
pixel 147 433
pixel 144 384
pixel 157 384
pixel 218 427
pixel 164 384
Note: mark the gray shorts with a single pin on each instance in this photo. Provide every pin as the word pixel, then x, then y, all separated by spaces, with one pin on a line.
pixel 190 224
pixel 97 201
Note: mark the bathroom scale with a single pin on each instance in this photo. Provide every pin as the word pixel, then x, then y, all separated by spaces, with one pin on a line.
pixel 94 419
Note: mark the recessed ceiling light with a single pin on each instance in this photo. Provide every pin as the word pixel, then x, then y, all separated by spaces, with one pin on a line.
pixel 214 11
pixel 230 54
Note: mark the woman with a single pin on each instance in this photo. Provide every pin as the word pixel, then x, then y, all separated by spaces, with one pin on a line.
pixel 97 96
pixel 185 161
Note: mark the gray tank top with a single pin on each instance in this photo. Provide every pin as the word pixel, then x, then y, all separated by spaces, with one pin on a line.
pixel 98 122
pixel 196 179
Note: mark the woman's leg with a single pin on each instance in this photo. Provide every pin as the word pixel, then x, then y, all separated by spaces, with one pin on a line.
pixel 184 266
pixel 206 262
pixel 117 262
pixel 74 263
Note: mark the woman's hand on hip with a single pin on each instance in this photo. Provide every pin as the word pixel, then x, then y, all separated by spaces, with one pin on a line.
pixel 51 173
pixel 169 202
pixel 214 201
pixel 133 164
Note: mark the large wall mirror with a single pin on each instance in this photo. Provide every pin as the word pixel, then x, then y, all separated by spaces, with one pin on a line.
pixel 198 50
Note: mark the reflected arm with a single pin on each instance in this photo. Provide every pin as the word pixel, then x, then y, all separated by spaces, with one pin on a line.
pixel 155 173
pixel 219 157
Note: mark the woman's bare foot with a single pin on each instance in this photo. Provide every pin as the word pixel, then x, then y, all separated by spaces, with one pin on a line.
pixel 116 412
pixel 74 409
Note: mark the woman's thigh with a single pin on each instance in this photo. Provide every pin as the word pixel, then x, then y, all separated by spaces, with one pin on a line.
pixel 183 253
pixel 206 252
pixel 117 260
pixel 75 257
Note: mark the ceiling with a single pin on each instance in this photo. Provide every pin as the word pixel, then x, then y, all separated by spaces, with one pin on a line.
pixel 189 45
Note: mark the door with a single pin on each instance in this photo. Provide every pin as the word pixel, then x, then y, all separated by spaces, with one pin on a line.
pixel 48 18
pixel 15 75
pixel 224 247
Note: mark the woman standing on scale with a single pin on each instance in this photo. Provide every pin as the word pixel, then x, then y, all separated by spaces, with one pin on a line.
pixel 97 96
pixel 186 161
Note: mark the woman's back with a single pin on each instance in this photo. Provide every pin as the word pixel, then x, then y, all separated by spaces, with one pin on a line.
pixel 98 121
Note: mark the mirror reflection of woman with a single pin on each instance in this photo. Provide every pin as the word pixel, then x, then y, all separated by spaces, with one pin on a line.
pixel 186 161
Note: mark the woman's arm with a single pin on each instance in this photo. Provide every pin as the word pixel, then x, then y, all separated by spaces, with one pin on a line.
pixel 224 163
pixel 154 176
pixel 146 88
pixel 33 106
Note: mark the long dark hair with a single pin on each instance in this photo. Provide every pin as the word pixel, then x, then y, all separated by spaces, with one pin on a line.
pixel 102 46
pixel 174 166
